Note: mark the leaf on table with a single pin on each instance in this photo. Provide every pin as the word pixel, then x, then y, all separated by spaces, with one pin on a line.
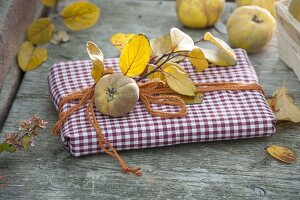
pixel 30 57
pixel 80 15
pixel 135 56
pixel 198 60
pixel 119 40
pixel 40 31
pixel 282 153
pixel 223 56
pixel 180 40
pixel 179 81
pixel 26 142
pixel 49 3
pixel 97 58
pixel 60 37
pixel 283 106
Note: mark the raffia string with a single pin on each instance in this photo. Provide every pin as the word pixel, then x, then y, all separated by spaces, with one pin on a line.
pixel 152 92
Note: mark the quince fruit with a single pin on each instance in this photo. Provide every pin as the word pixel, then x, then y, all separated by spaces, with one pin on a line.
pixel 116 95
pixel 199 13
pixel 267 4
pixel 250 28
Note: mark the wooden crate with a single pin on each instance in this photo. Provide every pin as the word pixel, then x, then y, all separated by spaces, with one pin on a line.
pixel 288 30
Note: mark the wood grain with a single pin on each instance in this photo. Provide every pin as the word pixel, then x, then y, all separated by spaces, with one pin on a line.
pixel 238 169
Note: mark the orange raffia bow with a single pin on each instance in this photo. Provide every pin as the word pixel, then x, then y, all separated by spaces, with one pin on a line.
pixel 151 92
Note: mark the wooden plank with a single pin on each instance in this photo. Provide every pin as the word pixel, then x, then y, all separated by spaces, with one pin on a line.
pixel 237 169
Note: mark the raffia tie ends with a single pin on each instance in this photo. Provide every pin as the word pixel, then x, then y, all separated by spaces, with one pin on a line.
pixel 151 92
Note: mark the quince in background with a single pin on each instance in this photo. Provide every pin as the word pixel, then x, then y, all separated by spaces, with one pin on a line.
pixel 267 4
pixel 294 9
pixel 199 13
pixel 250 28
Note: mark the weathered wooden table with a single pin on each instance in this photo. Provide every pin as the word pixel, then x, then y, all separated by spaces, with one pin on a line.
pixel 237 169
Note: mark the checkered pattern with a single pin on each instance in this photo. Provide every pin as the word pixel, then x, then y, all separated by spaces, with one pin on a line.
pixel 223 115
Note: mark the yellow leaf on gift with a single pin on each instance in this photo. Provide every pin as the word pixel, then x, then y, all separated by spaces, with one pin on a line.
pixel 180 40
pixel 135 56
pixel 179 81
pixel 49 3
pixel 156 75
pixel 160 74
pixel 97 58
pixel 282 153
pixel 223 56
pixel 119 40
pixel 218 57
pixel 283 106
pixel 161 45
pixel 80 15
pixel 40 31
pixel 30 57
pixel 198 60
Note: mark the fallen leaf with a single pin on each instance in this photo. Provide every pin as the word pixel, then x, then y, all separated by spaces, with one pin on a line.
pixel 49 3
pixel 40 31
pixel 198 60
pixel 30 57
pixel 97 58
pixel 223 56
pixel 119 40
pixel 284 107
pixel 179 81
pixel 180 40
pixel 60 37
pixel 282 153
pixel 80 15
pixel 135 56
pixel 161 45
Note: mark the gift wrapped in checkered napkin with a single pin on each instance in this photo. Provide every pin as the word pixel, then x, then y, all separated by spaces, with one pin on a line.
pixel 223 115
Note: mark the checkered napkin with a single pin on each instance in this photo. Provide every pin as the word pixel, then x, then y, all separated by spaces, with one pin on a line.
pixel 223 115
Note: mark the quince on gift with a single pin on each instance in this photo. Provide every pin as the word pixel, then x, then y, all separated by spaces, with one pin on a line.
pixel 159 92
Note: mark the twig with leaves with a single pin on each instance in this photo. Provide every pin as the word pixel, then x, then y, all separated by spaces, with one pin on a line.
pixel 23 138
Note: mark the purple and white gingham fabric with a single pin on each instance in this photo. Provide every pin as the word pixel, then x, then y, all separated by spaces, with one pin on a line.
pixel 223 115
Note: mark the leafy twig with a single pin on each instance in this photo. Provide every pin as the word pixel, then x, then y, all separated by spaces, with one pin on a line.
pixel 24 136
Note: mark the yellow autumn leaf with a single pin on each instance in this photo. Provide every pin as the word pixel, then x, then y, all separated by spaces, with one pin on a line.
pixel 97 58
pixel 180 40
pixel 40 31
pixel 198 60
pixel 135 56
pixel 30 57
pixel 223 56
pixel 49 3
pixel 161 45
pixel 282 153
pixel 283 106
pixel 80 15
pixel 160 74
pixel 179 81
pixel 119 40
